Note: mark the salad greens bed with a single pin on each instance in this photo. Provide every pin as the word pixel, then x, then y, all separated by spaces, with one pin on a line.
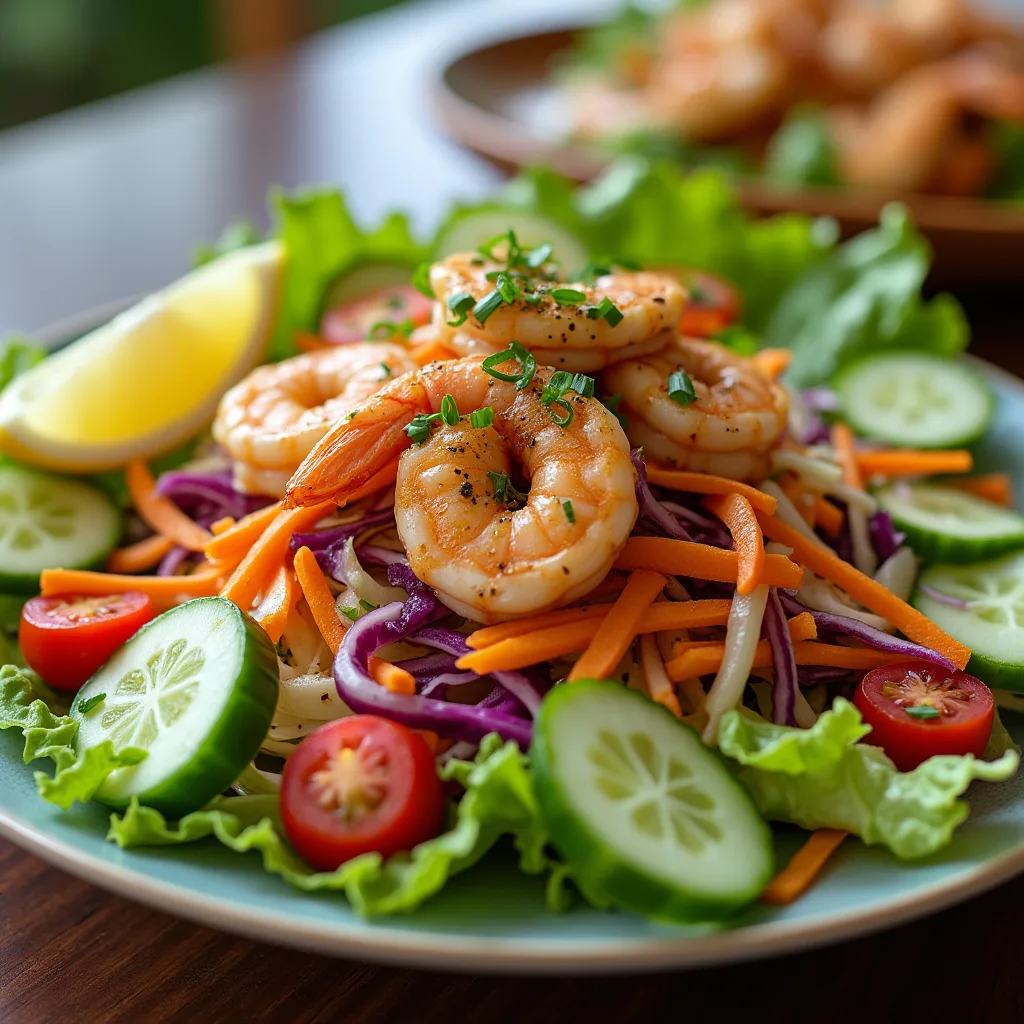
pixel 832 303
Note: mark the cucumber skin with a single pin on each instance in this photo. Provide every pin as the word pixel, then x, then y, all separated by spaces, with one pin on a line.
pixel 604 875
pixel 403 275
pixel 234 740
pixel 938 547
pixel 999 675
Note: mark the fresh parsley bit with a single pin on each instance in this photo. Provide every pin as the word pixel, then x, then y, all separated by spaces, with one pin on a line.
pixel 569 512
pixel 449 410
pixel 680 389
pixel 924 711
pixel 419 428
pixel 421 280
pixel 505 492
pixel 567 296
pixel 487 305
pixel 611 403
pixel 536 258
pixel 90 702
pixel 460 304
pixel 480 418
pixel 386 370
pixel 515 351
pixel 384 329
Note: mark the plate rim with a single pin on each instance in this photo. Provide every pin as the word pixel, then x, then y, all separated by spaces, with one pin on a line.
pixel 381 942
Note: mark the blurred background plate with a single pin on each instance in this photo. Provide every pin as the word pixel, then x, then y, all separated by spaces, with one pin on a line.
pixel 501 101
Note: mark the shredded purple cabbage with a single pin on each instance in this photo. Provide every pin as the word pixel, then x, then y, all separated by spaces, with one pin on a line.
pixel 783 661
pixel 378 557
pixel 809 675
pixel 173 561
pixel 885 538
pixel 210 494
pixel 656 515
pixel 820 399
pixel 335 536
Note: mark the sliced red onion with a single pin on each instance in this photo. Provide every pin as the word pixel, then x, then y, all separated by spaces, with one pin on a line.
pixel 443 681
pixel 335 536
pixel 885 538
pixel 942 598
pixel 374 555
pixel 173 561
pixel 651 509
pixel 358 690
pixel 783 661
pixel 810 675
pixel 687 513
pixel 820 399
pixel 213 489
pixel 428 664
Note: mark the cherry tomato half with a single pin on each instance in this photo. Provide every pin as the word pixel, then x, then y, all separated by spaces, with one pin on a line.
pixel 352 322
pixel 357 785
pixel 917 710
pixel 712 304
pixel 66 638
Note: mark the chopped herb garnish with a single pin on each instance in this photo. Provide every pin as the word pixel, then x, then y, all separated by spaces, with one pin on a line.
pixel 419 428
pixel 607 310
pixel 562 421
pixel 90 702
pixel 480 418
pixel 562 381
pixel 352 415
pixel 386 369
pixel 611 403
pixel 367 607
pixel 569 512
pixel 449 410
pixel 515 351
pixel 395 302
pixel 536 258
pixel 568 296
pixel 505 492
pixel 352 613
pixel 583 385
pixel 595 269
pixel 511 254
pixel 680 389
pixel 924 711
pixel 460 304
pixel 487 305
pixel 534 299
pixel 421 280
pixel 384 329
pixel 507 289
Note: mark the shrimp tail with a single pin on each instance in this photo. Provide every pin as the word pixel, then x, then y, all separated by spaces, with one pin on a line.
pixel 355 449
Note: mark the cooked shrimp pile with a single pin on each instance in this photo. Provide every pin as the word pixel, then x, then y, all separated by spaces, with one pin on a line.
pixel 909 86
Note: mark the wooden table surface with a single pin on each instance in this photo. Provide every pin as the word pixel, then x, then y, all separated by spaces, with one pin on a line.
pixel 107 202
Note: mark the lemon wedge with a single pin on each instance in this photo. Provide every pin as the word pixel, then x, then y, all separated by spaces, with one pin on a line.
pixel 151 378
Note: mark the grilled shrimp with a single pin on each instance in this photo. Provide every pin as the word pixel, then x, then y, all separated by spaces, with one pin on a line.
pixel 271 420
pixel 730 429
pixel 489 555
pixel 648 302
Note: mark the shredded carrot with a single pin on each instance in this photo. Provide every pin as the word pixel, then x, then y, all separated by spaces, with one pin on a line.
pixel 707 483
pixel 165 591
pixel 994 487
pixel 842 442
pixel 308 342
pixel 824 562
pixel 274 608
pixel 659 686
pixel 906 462
pixel 260 560
pixel 736 512
pixel 319 598
pixel 392 677
pixel 804 867
pixel 703 562
pixel 219 526
pixel 489 635
pixel 140 556
pixel 381 479
pixel 800 496
pixel 430 351
pixel 611 642
pixel 829 517
pixel 159 513
pixel 235 541
pixel 555 641
pixel 772 362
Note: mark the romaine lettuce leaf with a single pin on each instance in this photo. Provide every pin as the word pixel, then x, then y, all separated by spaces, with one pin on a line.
pixel 18 353
pixel 823 778
pixel 865 296
pixel 498 801
pixel 801 150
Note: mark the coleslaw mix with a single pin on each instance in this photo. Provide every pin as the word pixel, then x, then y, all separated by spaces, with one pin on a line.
pixel 635 525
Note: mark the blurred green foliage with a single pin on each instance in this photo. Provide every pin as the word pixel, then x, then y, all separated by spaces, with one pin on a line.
pixel 56 54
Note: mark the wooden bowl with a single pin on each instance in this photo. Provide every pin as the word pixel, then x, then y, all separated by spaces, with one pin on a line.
pixel 501 102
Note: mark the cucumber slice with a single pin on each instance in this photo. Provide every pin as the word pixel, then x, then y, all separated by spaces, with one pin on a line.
pixel 915 400
pixel 992 623
pixel 943 524
pixel 646 816
pixel 466 231
pixel 196 688
pixel 51 522
pixel 363 279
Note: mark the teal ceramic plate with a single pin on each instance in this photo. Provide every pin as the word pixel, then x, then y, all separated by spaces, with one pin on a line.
pixel 493 919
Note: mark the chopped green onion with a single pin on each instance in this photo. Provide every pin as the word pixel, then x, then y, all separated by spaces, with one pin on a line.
pixel 384 329
pixel 352 613
pixel 568 296
pixel 534 299
pixel 419 428
pixel 449 410
pixel 560 382
pixel 611 313
pixel 507 289
pixel 505 492
pixel 487 249
pixel 583 385
pixel 421 280
pixel 536 258
pixel 487 305
pixel 90 702
pixel 611 403
pixel 595 269
pixel 480 418
pixel 924 711
pixel 395 302
pixel 570 514
pixel 569 413
pixel 527 365
pixel 460 304
pixel 386 369
pixel 367 606
pixel 680 389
